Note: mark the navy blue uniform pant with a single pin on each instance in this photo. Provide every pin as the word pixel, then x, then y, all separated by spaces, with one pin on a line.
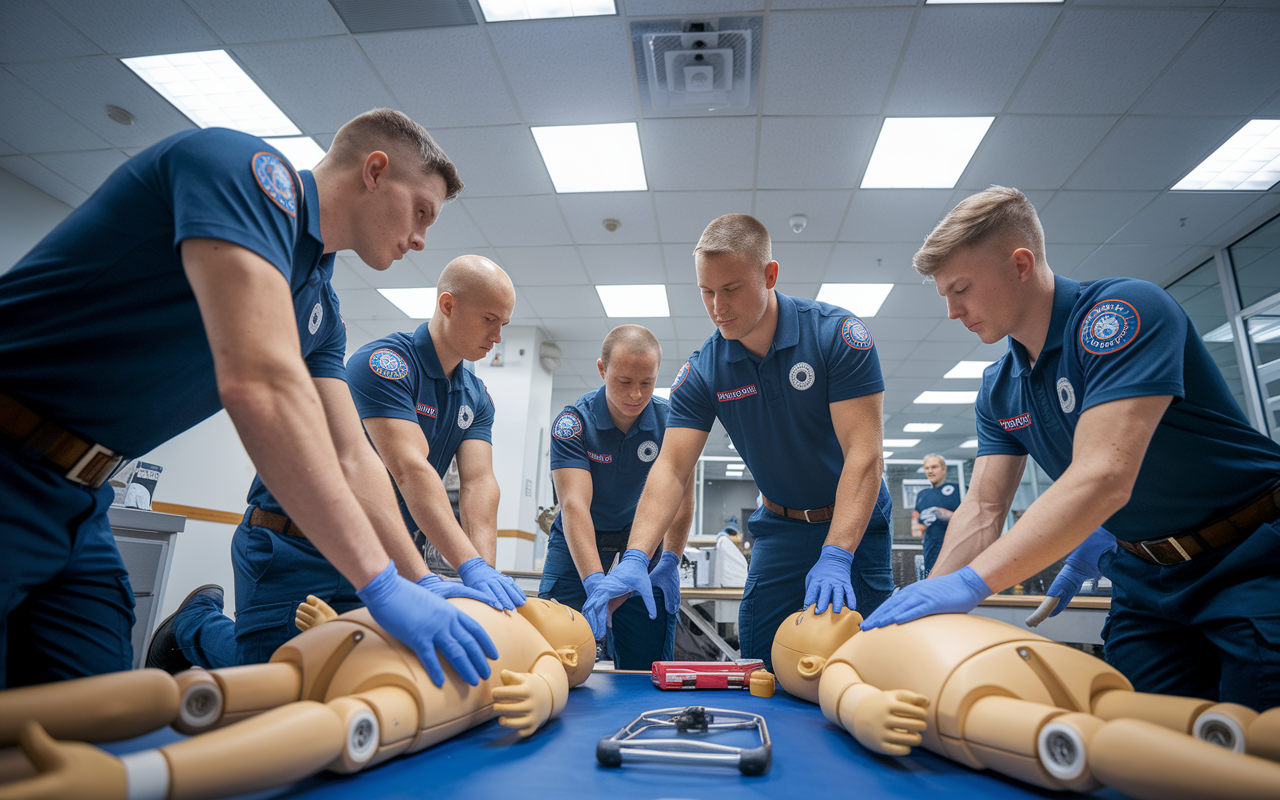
pixel 64 593
pixel 1206 628
pixel 635 640
pixel 273 574
pixel 932 546
pixel 782 554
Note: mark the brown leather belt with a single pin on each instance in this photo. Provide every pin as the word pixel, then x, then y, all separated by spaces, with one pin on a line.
pixel 1183 547
pixel 823 514
pixel 275 522
pixel 40 439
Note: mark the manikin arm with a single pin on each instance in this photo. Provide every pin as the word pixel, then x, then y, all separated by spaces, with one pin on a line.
pixel 526 700
pixel 888 722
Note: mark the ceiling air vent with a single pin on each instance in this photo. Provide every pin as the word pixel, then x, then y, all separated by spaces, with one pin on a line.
pixel 698 68
pixel 368 16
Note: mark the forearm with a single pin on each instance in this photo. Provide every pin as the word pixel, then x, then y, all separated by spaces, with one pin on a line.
pixel 368 479
pixel 580 536
pixel 678 534
pixel 429 505
pixel 478 506
pixel 658 507
pixel 973 528
pixel 856 496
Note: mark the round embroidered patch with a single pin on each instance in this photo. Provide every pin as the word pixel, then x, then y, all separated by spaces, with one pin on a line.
pixel 388 364
pixel 802 376
pixel 317 315
pixel 566 426
pixel 465 417
pixel 1066 395
pixel 276 180
pixel 855 334
pixel 680 376
pixel 648 451
pixel 948 490
pixel 1109 326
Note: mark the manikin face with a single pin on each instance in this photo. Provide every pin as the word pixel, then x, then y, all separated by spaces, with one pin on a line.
pixel 395 212
pixel 629 380
pixel 565 630
pixel 475 322
pixel 980 286
pixel 735 291
pixel 803 643
pixel 935 471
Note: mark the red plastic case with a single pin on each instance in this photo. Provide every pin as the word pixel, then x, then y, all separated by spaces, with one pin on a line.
pixel 684 675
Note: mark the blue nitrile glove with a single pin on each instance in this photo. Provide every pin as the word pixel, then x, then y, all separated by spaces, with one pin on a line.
pixel 425 622
pixel 956 593
pixel 501 589
pixel 666 576
pixel 441 588
pixel 929 516
pixel 828 584
pixel 1079 567
pixel 631 575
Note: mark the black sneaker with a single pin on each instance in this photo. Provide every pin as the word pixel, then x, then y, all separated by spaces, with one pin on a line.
pixel 164 652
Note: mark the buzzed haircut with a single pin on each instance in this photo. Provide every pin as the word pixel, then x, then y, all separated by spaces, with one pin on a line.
pixel 941 460
pixel 999 211
pixel 631 338
pixel 395 133
pixel 472 276
pixel 736 234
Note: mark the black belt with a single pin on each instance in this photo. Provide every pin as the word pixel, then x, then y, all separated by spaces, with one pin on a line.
pixel 1183 547
pixel 45 441
pixel 275 522
pixel 823 514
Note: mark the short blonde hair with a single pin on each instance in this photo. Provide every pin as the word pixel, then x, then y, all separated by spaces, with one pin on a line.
pixel 736 234
pixel 941 460
pixel 999 211
pixel 389 130
pixel 630 338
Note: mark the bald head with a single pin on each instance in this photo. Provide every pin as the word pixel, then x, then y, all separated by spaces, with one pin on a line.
pixel 630 339
pixel 475 278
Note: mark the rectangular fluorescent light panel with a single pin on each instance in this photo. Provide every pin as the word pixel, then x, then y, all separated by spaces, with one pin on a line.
pixel 968 369
pixel 887 453
pixel 302 151
pixel 924 152
pixel 1247 162
pixel 863 299
pixel 213 91
pixel 940 398
pixel 921 427
pixel 592 158
pixel 901 442
pixel 415 303
pixel 982 2
pixel 969 444
pixel 638 300
pixel 729 474
pixel 664 393
pixel 507 10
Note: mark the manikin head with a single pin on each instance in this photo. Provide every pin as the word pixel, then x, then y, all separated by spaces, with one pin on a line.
pixel 628 363
pixel 987 258
pixel 736 273
pixel 567 631
pixel 935 469
pixel 803 644
pixel 383 183
pixel 474 299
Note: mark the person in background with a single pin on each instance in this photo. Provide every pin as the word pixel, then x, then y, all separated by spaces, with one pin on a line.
pixel 934 507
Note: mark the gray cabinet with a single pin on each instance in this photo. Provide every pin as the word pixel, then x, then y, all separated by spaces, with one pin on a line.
pixel 145 541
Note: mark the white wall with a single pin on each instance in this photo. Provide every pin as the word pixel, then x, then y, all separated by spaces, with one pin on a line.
pixel 26 215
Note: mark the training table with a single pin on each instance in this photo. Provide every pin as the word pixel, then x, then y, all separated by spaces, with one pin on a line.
pixel 812 759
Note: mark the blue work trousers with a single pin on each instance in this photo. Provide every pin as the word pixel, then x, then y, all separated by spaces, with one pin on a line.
pixel 932 546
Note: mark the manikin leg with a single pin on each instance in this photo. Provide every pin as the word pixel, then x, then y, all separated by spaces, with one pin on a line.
pixel 102 708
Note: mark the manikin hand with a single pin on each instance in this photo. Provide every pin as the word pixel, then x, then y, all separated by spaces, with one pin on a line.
pixel 956 593
pixel 312 613
pixel 67 769
pixel 631 575
pixel 440 587
pixel 523 702
pixel 500 590
pixel 890 722
pixel 666 576
pixel 828 584
pixel 1080 566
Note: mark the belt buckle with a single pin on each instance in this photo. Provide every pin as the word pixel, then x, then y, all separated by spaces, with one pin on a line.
pixel 75 473
pixel 806 515
pixel 1167 540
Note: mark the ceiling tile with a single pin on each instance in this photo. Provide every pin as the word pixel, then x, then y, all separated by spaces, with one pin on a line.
pixel 946 352
pixel 1099 61
pixel 813 56
pixel 512 221
pixel 568 71
pixel 645 8
pixel 367 304
pixel 432 262
pixel 382 328
pixel 682 216
pixel 137 27
pixel 1183 217
pixel 889 215
pixel 889 349
pixel 523 310
pixel 44 179
pixel 913 300
pixel 814 152
pixel 454 229
pixel 7 150
pixel 803 262
pixel 320 83
pixel 1064 258
pixel 1090 217
pixel 624 263
pixel 685 299
pixel 237 21
pixel 699 154
pixel 1034 152
pixel 445 77
pixel 586 213
pixel 680 266
pixel 400 275
pixel 695 329
pixel 567 329
pixel 1152 152
pixel 987 352
pixel 31 32
pixel 798 288
pixel 558 265
pixel 1232 66
pixel 661 327
pixel 824 210
pixel 86 169
pixel 1147 262
pixel 34 125
pixel 346 275
pixel 580 350
pixel 916 367
pixel 874 262
pixel 967 61
pixel 495 161
pixel 949 330
pixel 564 301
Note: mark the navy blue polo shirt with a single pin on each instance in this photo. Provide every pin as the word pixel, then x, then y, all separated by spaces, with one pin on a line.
pixel 399 376
pixel 100 328
pixel 1114 339
pixel 584 437
pixel 945 496
pixel 777 408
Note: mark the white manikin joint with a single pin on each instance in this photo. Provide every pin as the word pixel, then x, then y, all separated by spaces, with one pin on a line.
pixel 146 775
pixel 1211 722
pixel 1059 770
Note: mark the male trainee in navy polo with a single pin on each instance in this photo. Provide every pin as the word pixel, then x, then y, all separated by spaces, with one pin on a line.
pixel 208 216
pixel 933 508
pixel 602 448
pixel 803 406
pixel 1196 605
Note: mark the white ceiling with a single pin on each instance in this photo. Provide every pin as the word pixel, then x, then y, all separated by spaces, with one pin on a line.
pixel 1100 106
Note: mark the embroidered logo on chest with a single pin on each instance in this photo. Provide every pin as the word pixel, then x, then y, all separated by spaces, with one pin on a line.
pixel 802 376
pixel 388 364
pixel 947 491
pixel 1066 395
pixel 1109 326
pixel 566 426
pixel 1015 423
pixel 647 451
pixel 317 315
pixel 276 181
pixel 465 417
pixel 737 394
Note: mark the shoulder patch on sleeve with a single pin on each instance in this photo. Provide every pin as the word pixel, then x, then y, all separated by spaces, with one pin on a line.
pixel 566 426
pixel 1109 326
pixel 855 334
pixel 277 181
pixel 680 376
pixel 387 363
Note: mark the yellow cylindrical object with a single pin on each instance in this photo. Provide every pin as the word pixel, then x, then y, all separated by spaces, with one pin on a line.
pixel 762 683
